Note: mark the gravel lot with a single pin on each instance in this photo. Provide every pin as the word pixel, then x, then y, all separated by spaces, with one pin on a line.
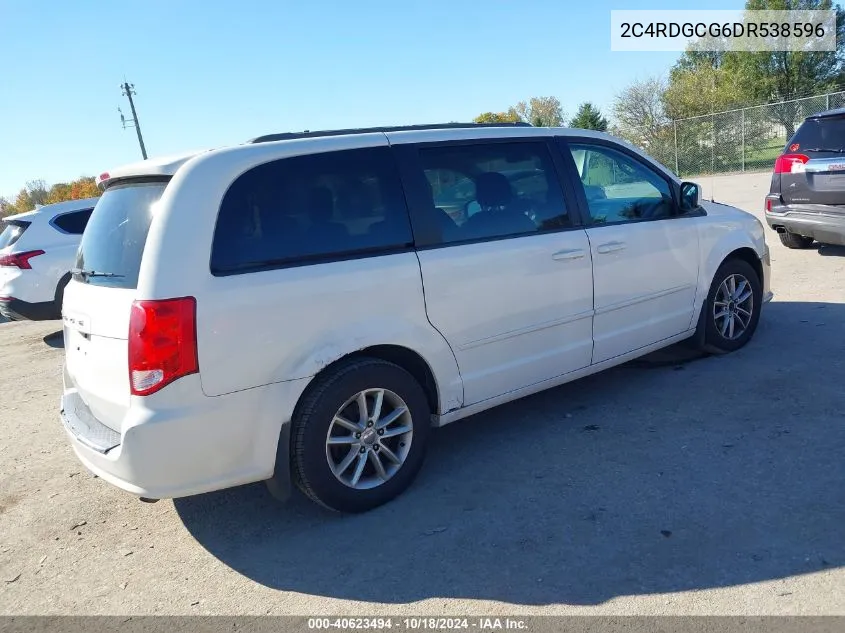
pixel 709 486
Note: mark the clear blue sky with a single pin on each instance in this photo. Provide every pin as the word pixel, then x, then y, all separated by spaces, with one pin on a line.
pixel 216 72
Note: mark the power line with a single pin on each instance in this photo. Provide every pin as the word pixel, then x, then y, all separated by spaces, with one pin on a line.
pixel 128 90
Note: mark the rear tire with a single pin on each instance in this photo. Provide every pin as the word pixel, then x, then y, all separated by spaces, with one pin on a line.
pixel 359 435
pixel 793 240
pixel 732 309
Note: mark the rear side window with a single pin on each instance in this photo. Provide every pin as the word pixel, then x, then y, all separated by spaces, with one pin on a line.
pixel 819 134
pixel 318 207
pixel 113 243
pixel 12 231
pixel 73 222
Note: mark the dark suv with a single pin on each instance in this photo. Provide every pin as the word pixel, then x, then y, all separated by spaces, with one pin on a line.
pixel 806 201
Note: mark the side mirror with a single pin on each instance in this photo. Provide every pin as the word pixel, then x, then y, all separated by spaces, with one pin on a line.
pixel 690 196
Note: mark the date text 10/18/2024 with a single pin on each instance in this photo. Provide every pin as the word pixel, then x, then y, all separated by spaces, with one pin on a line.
pixel 480 624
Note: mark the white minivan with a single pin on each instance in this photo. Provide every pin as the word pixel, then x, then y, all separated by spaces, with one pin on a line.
pixel 305 307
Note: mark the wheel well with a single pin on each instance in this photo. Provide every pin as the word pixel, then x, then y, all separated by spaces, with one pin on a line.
pixel 408 360
pixel 411 362
pixel 749 256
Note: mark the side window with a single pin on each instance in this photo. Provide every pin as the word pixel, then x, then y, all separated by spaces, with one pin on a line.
pixel 73 222
pixel 493 190
pixel 619 188
pixel 308 208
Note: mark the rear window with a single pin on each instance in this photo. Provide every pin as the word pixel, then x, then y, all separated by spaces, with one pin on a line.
pixel 820 134
pixel 318 207
pixel 111 247
pixel 12 231
pixel 73 222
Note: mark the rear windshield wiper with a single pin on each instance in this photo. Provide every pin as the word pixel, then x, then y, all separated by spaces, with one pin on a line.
pixel 824 149
pixel 93 273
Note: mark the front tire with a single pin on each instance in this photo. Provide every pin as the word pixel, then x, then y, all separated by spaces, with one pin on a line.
pixel 732 310
pixel 359 435
pixel 793 240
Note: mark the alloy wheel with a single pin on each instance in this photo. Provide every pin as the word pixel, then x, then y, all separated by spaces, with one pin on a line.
pixel 369 438
pixel 733 306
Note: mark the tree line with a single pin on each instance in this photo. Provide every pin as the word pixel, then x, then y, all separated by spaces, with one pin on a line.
pixel 705 82
pixel 37 192
pixel 701 83
pixel 547 112
pixel 692 117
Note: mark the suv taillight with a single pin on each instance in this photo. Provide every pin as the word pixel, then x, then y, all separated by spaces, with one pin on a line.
pixel 19 260
pixel 788 163
pixel 162 343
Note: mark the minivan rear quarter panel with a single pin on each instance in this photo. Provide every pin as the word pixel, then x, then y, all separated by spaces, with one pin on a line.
pixel 276 325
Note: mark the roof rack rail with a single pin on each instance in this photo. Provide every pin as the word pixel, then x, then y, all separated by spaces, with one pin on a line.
pixel 286 136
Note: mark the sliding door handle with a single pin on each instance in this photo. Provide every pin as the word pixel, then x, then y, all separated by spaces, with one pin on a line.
pixel 610 247
pixel 568 255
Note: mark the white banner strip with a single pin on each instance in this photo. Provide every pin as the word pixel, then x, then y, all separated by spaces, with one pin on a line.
pixel 722 30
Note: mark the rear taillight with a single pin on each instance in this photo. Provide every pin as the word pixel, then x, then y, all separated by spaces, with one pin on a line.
pixel 19 260
pixel 162 343
pixel 790 163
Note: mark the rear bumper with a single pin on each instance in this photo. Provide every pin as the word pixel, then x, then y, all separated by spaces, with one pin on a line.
pixel 216 443
pixel 19 310
pixel 827 228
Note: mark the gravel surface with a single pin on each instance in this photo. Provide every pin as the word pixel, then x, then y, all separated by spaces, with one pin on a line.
pixel 703 486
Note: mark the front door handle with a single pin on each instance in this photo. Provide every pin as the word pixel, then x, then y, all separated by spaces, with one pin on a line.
pixel 610 247
pixel 568 255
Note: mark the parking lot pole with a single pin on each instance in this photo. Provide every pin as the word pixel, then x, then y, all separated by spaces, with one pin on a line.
pixel 742 113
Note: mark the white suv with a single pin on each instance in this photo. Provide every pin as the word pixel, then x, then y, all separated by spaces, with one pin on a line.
pixel 37 250
pixel 299 308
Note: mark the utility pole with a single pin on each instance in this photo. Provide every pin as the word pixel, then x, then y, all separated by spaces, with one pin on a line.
pixel 128 90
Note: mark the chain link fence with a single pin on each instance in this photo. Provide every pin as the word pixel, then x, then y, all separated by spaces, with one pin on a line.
pixel 747 139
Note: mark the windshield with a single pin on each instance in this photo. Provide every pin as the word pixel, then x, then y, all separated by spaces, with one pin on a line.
pixel 12 231
pixel 820 134
pixel 113 243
